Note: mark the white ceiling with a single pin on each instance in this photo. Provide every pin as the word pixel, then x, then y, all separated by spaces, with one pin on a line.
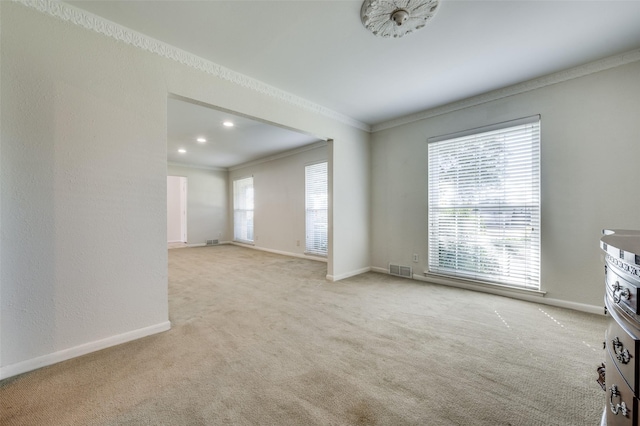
pixel 225 147
pixel 320 51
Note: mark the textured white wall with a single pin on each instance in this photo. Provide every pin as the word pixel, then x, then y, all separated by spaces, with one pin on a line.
pixel 83 183
pixel 207 203
pixel 83 174
pixel 589 149
pixel 279 200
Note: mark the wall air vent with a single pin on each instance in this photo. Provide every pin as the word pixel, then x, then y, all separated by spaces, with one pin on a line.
pixel 400 271
pixel 212 242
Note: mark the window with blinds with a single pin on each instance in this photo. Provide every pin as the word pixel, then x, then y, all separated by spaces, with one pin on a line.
pixel 484 204
pixel 243 210
pixel 316 203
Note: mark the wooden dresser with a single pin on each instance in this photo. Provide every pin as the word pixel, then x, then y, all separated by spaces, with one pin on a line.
pixel 621 379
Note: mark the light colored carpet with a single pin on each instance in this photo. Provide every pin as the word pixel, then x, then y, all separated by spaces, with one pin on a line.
pixel 263 339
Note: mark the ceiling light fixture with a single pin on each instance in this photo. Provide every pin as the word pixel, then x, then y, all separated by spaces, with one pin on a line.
pixel 201 140
pixel 227 124
pixel 393 18
pixel 182 150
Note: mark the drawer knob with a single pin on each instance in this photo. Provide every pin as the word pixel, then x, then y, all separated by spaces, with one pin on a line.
pixel 623 355
pixel 619 407
pixel 620 293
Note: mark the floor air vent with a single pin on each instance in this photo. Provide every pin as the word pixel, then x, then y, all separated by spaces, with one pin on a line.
pixel 212 242
pixel 400 271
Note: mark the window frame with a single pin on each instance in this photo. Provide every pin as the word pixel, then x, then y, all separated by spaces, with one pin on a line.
pixel 453 236
pixel 316 245
pixel 243 234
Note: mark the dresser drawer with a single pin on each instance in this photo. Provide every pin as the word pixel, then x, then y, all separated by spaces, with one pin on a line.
pixel 621 405
pixel 623 346
pixel 623 292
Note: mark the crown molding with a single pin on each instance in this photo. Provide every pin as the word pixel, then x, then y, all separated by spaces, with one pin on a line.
pixel 266 159
pixel 273 157
pixel 538 83
pixel 195 166
pixel 123 34
pixel 89 21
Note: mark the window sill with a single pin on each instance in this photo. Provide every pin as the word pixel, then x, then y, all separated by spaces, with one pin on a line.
pixel 324 256
pixel 475 285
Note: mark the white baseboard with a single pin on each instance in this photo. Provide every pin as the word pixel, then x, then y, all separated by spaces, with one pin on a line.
pixel 529 296
pixel 76 351
pixel 536 297
pixel 348 274
pixel 284 253
pixel 206 245
pixel 582 307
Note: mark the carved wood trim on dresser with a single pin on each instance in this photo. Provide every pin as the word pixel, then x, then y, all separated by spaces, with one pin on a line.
pixel 619 376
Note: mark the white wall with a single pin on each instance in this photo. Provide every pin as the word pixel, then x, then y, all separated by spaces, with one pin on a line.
pixel 83 186
pixel 350 183
pixel 207 203
pixel 589 150
pixel 83 181
pixel 279 199
pixel 174 209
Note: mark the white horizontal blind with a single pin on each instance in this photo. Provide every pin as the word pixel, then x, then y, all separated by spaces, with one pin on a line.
pixel 484 205
pixel 316 202
pixel 243 210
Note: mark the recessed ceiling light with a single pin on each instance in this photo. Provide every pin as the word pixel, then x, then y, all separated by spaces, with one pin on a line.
pixel 201 140
pixel 227 124
pixel 182 150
